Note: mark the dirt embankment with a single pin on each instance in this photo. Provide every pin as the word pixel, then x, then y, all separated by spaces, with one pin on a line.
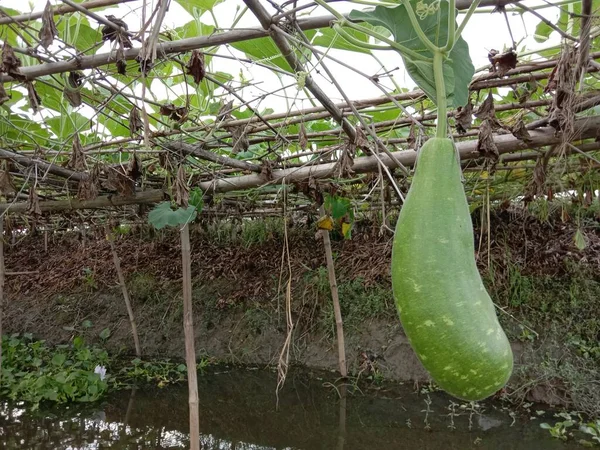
pixel 239 291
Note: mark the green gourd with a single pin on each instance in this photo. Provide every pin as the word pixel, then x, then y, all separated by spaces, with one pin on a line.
pixel 446 313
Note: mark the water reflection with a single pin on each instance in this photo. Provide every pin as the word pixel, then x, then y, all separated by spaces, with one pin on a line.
pixel 238 411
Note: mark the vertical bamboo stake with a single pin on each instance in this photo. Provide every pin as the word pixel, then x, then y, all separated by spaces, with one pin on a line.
pixel 117 262
pixel 2 269
pixel 336 300
pixel 188 330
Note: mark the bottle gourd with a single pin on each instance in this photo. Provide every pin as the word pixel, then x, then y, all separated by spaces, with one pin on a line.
pixel 445 311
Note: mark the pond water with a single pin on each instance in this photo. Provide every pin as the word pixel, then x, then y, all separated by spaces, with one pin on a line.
pixel 239 410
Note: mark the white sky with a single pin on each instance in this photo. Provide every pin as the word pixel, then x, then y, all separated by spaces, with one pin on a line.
pixel 484 32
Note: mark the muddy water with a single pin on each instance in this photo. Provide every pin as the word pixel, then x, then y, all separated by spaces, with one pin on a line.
pixel 239 410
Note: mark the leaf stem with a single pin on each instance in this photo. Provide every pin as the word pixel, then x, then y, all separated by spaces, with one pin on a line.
pixel 417 27
pixel 352 40
pixel 440 88
pixel 451 26
pixel 342 21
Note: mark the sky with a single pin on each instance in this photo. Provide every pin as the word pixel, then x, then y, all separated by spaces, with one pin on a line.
pixel 484 32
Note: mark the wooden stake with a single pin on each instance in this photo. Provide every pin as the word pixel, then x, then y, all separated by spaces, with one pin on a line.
pixel 188 330
pixel 117 262
pixel 336 300
pixel 2 268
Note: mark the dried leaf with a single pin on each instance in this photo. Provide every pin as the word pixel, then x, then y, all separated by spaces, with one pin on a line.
pixel 75 79
pixel 48 30
pixel 35 101
pixel 10 63
pixel 114 35
pixel 118 180
pixel 146 65
pixel 346 161
pixel 464 117
pixel 485 141
pixel 266 170
pixel 225 111
pixel 7 187
pixel 181 188
pixel 4 97
pixel 519 131
pixel 502 62
pixel 302 137
pixel 411 140
pixel 77 160
pixel 196 66
pixel 121 67
pixel 134 169
pixel 73 96
pixel 486 110
pixel 325 223
pixel 239 139
pixel 536 186
pixel 33 203
pixel 177 113
pixel 361 139
pixel 88 188
pixel 135 121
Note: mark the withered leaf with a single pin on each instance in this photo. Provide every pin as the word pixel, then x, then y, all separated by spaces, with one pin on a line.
pixel 181 188
pixel 502 62
pixel 177 113
pixel 486 110
pixel 10 63
pixel 33 203
pixel 118 180
pixel 411 140
pixel 485 141
pixel 302 137
pixel 146 65
pixel 112 34
pixel 225 111
pixel 135 121
pixel 464 117
pixel 134 169
pixel 77 159
pixel 361 139
pixel 4 97
pixel 88 188
pixel 196 66
pixel 35 100
pixel 346 161
pixel 120 61
pixel 48 30
pixel 239 139
pixel 75 79
pixel 519 131
pixel 266 169
pixel 7 186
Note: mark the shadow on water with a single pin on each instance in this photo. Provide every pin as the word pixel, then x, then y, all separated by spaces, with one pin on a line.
pixel 238 410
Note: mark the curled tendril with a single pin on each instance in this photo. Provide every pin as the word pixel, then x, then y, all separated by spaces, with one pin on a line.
pixel 424 9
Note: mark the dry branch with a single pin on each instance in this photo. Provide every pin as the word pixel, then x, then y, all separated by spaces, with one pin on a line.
pixel 60 10
pixel 43 165
pixel 210 156
pixel 106 201
pixel 583 128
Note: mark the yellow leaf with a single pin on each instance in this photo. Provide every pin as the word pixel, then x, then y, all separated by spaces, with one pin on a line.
pixel 325 223
pixel 484 175
pixel 346 227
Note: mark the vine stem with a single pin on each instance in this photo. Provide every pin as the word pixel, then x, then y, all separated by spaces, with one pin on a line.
pixel 440 87
pixel 452 25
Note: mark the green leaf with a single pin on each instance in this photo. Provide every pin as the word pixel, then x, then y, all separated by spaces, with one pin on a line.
pixel 458 69
pixel 105 334
pixel 163 215
pixel 579 240
pixel 76 30
pixel 542 32
pixel 86 324
pixel 196 199
pixel 197 7
pixel 59 359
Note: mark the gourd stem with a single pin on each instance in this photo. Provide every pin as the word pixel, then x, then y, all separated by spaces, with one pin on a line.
pixel 463 24
pixel 417 27
pixel 451 26
pixel 440 88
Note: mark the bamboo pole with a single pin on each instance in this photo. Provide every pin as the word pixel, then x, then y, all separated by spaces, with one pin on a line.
pixel 339 323
pixel 2 269
pixel 117 262
pixel 188 330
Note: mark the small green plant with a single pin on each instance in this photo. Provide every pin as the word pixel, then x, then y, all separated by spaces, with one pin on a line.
pixel 89 278
pixel 559 430
pixel 592 429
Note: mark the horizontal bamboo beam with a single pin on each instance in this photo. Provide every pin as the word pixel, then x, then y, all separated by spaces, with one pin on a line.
pixel 584 128
pixel 105 201
pixel 43 165
pixel 185 45
pixel 60 10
